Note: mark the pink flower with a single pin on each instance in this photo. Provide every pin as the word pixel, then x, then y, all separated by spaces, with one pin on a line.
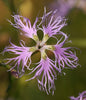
pixel 82 96
pixel 47 69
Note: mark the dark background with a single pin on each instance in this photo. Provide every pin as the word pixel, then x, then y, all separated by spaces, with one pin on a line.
pixel 71 84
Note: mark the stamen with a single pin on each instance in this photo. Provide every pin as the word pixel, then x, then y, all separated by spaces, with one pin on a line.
pixel 35 37
pixel 43 54
pixel 32 49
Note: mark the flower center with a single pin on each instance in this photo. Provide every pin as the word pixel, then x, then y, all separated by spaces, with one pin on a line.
pixel 39 47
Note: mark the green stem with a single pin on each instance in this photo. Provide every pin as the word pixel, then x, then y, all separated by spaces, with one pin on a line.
pixel 12 6
pixel 9 87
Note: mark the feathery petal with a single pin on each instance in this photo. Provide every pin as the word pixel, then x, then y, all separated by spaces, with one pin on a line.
pixel 47 69
pixel 65 56
pixel 24 25
pixel 51 24
pixel 22 56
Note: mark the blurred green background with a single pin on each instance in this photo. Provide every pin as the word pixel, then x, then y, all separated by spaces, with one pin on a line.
pixel 67 85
